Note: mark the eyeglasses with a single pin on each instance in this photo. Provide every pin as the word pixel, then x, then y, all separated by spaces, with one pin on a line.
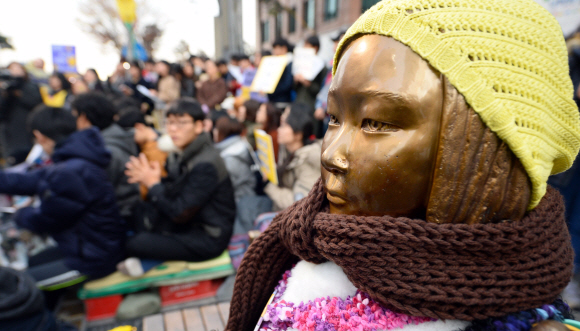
pixel 178 124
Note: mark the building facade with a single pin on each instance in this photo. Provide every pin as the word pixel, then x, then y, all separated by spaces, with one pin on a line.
pixel 228 29
pixel 296 20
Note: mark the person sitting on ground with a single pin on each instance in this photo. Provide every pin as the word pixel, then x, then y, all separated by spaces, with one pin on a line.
pixel 234 151
pixel 58 91
pixel 213 91
pixel 22 305
pixel 78 207
pixel 190 214
pixel 301 168
pixel 188 80
pixel 228 77
pixel 129 88
pixel 91 77
pixel 268 119
pixel 94 109
pixel 247 115
pixel 129 116
pixel 168 87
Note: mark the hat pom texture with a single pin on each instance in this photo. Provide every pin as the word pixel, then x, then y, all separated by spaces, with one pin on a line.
pixel 507 58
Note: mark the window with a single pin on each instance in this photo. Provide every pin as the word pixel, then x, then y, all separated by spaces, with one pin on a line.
pixel 330 9
pixel 292 20
pixel 309 17
pixel 265 31
pixel 367 4
pixel 279 25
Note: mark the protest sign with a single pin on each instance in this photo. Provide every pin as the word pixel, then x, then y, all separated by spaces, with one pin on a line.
pixel 269 74
pixel 64 59
pixel 306 63
pixel 265 150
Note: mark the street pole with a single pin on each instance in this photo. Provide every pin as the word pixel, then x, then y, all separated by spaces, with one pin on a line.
pixel 128 16
pixel 131 43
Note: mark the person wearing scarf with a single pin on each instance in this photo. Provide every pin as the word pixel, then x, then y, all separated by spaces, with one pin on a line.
pixel 433 212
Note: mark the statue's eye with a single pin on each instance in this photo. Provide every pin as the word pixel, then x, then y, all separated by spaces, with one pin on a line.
pixel 333 120
pixel 376 126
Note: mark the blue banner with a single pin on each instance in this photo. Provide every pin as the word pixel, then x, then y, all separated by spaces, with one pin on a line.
pixel 64 59
pixel 139 52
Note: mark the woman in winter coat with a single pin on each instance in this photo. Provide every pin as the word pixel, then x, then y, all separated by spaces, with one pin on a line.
pixel 214 90
pixel 168 87
pixel 298 172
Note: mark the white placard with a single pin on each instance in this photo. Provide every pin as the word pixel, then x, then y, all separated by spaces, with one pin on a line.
pixel 306 63
pixel 269 74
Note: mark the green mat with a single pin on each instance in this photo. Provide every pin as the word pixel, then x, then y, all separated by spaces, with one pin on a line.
pixel 216 268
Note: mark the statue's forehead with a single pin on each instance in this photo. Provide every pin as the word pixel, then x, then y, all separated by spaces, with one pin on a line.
pixel 374 62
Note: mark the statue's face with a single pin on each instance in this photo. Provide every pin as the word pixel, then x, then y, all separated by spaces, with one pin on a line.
pixel 378 154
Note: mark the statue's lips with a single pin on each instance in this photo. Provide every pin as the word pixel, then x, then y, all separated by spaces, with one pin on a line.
pixel 335 199
pixel 335 190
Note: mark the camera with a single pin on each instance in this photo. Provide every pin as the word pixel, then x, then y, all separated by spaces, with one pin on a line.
pixel 9 82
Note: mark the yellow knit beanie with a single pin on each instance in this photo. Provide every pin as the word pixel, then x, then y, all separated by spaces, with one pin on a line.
pixel 507 58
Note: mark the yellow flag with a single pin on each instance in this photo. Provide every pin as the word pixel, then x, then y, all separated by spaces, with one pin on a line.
pixel 127 10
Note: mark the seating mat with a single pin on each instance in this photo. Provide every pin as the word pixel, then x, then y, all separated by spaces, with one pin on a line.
pixel 168 273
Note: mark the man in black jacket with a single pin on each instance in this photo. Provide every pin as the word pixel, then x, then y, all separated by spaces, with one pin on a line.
pixel 190 214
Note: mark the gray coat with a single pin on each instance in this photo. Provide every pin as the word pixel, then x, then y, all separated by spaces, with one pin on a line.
pixel 236 156
pixel 122 146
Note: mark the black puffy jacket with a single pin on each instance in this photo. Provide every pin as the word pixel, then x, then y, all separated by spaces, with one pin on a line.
pixel 78 207
pixel 197 196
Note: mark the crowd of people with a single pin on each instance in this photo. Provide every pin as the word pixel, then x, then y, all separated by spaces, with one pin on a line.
pixel 158 161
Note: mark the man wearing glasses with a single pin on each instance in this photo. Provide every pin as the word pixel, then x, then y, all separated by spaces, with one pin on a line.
pixel 190 214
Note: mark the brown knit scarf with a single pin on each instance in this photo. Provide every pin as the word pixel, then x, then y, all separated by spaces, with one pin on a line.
pixel 445 271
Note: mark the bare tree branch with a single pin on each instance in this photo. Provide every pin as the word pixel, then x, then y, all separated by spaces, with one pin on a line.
pixel 151 36
pixel 100 18
pixel 182 51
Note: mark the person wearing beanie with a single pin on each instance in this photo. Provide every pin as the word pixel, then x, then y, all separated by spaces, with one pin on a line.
pixel 433 211
pixel 22 305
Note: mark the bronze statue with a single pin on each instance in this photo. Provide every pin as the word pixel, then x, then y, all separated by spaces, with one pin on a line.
pixel 433 198
pixel 403 142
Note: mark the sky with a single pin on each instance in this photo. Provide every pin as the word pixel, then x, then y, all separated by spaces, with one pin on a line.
pixel 33 26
